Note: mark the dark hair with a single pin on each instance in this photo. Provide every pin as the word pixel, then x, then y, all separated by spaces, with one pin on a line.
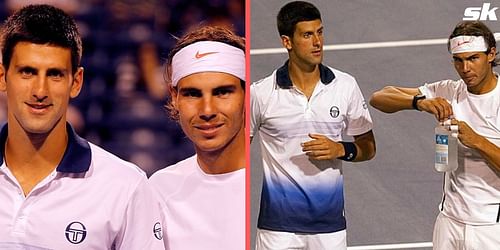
pixel 205 33
pixel 476 28
pixel 294 12
pixel 41 24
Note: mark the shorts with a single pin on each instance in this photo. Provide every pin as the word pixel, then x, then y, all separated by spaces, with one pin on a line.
pixel 452 234
pixel 276 240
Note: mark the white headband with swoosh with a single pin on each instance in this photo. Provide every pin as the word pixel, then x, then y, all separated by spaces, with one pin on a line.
pixel 208 56
pixel 462 44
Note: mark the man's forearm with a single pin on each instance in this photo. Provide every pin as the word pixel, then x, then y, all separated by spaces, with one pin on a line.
pixel 365 145
pixel 490 152
pixel 390 100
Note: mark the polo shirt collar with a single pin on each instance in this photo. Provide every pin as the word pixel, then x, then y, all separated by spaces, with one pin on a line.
pixel 76 158
pixel 283 76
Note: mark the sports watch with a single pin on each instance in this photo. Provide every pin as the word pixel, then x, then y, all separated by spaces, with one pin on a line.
pixel 416 98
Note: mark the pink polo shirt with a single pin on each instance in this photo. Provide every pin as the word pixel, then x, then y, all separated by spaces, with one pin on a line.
pixel 93 200
pixel 202 211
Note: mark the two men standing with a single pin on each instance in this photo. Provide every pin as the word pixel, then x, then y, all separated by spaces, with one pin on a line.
pixel 471 199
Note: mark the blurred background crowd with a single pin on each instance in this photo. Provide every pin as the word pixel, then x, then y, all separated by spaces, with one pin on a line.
pixel 125 43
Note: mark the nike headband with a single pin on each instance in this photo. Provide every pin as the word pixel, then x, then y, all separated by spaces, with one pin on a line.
pixel 208 56
pixel 462 44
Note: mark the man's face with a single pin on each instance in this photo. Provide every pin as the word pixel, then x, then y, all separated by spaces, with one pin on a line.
pixel 39 83
pixel 306 44
pixel 211 109
pixel 474 67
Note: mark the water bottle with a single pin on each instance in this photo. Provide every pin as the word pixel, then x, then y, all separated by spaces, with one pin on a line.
pixel 446 147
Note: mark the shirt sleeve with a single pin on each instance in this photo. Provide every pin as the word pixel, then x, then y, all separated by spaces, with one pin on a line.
pixel 255 111
pixel 359 120
pixel 445 89
pixel 142 225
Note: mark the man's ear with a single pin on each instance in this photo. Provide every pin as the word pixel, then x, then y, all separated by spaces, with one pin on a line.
pixel 77 84
pixel 3 78
pixel 286 42
pixel 492 54
pixel 173 96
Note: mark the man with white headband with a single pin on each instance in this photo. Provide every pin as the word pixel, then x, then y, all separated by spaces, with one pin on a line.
pixel 470 208
pixel 204 196
pixel 300 112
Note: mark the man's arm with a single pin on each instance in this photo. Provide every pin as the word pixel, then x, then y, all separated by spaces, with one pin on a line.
pixel 365 144
pixel 392 99
pixel 322 148
pixel 254 112
pixel 468 137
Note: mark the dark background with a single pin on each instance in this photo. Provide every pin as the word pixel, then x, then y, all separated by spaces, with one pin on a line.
pixel 125 43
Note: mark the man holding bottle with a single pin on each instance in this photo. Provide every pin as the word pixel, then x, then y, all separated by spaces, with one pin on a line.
pixel 470 208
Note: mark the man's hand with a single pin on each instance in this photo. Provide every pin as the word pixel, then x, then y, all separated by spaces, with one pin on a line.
pixel 438 106
pixel 466 134
pixel 471 139
pixel 322 148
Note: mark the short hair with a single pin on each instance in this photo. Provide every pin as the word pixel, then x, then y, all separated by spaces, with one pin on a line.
pixel 476 28
pixel 292 13
pixel 204 33
pixel 41 24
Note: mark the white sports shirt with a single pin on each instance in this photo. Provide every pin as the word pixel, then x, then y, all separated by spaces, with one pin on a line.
pixel 93 200
pixel 472 192
pixel 300 195
pixel 201 211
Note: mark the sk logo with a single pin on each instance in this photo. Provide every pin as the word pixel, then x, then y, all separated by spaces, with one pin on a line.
pixel 481 13
pixel 334 111
pixel 157 231
pixel 76 232
pixel 200 55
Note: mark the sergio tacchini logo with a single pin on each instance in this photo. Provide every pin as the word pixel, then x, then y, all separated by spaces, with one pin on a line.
pixel 200 55
pixel 76 232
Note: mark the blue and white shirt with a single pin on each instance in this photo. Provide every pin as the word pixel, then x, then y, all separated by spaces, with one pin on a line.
pixel 300 195
pixel 92 200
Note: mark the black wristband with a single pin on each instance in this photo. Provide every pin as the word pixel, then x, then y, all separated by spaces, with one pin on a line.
pixel 350 151
pixel 416 98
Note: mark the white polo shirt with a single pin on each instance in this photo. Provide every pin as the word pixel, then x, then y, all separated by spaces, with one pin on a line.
pixel 201 211
pixel 93 200
pixel 472 192
pixel 300 195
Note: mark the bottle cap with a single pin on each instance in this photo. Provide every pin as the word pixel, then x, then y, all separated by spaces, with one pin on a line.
pixel 454 130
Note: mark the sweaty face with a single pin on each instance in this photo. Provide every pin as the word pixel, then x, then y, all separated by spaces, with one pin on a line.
pixel 211 109
pixel 306 44
pixel 39 83
pixel 475 69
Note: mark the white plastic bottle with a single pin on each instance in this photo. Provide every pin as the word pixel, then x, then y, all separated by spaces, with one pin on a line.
pixel 446 147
